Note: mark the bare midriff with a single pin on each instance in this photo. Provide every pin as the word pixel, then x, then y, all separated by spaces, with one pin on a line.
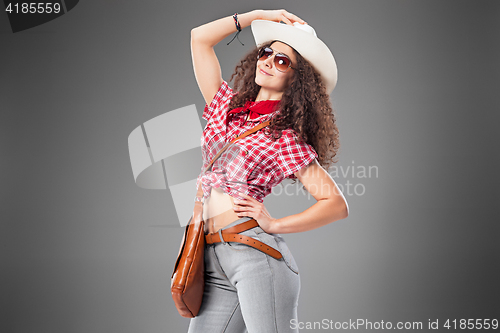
pixel 218 210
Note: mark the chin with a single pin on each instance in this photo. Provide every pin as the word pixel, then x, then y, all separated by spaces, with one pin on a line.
pixel 258 81
pixel 263 82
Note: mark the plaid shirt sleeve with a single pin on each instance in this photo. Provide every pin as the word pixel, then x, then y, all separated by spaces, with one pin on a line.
pixel 293 155
pixel 219 102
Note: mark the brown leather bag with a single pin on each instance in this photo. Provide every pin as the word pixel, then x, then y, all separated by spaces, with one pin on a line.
pixel 188 278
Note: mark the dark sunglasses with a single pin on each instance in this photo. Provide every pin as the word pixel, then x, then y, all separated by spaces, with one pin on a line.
pixel 281 61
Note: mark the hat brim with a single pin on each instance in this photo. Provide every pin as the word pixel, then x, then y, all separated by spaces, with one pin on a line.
pixel 307 45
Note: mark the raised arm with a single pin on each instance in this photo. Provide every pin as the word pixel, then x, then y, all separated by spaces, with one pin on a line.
pixel 203 39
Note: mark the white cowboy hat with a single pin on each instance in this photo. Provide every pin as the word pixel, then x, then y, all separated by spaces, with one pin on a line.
pixel 303 39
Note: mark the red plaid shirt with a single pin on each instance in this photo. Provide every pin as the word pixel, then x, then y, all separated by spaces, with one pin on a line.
pixel 252 165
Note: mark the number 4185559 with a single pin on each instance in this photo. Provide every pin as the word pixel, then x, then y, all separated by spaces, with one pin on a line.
pixel 470 324
pixel 33 8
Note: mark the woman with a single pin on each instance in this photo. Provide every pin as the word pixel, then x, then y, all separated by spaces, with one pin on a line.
pixel 255 287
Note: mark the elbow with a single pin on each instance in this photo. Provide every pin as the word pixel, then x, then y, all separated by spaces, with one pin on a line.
pixel 198 39
pixel 342 209
pixel 345 210
pixel 196 36
pixel 337 210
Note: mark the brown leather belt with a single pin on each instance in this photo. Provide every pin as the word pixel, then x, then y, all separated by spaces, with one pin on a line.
pixel 232 235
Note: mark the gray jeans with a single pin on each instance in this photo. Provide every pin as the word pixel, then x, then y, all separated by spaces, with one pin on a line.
pixel 247 290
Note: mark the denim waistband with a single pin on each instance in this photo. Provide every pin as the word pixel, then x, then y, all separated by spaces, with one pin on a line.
pixel 239 221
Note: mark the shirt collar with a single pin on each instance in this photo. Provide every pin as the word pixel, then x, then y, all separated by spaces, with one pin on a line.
pixel 257 110
pixel 263 117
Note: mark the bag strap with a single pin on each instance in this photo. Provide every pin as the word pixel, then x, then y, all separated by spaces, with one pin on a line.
pixel 250 131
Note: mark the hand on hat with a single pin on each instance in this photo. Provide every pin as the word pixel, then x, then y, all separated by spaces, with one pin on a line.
pixel 280 15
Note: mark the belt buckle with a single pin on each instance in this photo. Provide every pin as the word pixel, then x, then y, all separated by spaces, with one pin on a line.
pixel 209 239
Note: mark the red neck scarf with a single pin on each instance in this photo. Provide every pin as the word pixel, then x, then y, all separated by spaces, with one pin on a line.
pixel 257 108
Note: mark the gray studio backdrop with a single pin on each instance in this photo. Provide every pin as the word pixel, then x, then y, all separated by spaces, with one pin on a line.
pixel 85 250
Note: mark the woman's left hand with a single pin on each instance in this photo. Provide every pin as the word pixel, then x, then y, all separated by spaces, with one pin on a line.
pixel 252 208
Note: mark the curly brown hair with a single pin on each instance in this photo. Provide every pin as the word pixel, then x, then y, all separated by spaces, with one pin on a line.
pixel 305 106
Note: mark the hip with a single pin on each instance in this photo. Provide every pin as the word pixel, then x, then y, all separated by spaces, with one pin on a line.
pixel 237 252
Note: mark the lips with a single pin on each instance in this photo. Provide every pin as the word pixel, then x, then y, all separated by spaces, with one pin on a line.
pixel 264 72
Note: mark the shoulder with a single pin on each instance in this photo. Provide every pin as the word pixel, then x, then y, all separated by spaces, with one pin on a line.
pixel 225 91
pixel 290 144
pixel 220 101
pixel 293 153
pixel 223 95
pixel 290 137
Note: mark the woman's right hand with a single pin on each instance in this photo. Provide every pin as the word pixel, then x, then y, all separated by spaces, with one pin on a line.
pixel 278 16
